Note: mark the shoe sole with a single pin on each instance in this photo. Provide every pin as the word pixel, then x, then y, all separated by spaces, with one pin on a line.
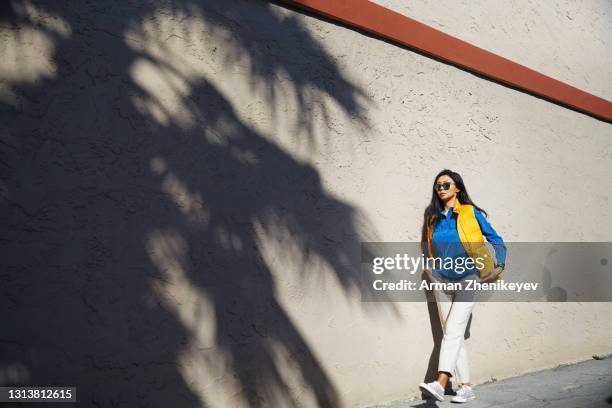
pixel 426 388
pixel 463 400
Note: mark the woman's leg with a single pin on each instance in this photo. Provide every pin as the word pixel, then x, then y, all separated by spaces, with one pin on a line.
pixel 443 305
pixel 462 369
pixel 453 354
pixel 453 360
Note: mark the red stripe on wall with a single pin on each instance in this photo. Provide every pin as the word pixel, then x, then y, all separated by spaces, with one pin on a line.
pixel 403 30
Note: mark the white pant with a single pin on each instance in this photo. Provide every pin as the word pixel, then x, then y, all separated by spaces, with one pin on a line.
pixel 454 309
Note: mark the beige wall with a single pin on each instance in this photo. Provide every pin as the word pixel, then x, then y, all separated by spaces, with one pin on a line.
pixel 563 39
pixel 247 147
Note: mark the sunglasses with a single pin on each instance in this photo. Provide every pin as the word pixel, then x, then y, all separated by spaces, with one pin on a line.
pixel 442 186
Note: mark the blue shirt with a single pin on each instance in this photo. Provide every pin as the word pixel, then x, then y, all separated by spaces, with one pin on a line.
pixel 447 244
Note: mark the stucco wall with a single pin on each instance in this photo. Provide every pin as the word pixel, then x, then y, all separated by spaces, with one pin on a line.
pixel 185 187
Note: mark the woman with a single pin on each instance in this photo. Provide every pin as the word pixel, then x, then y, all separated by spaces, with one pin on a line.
pixel 452 223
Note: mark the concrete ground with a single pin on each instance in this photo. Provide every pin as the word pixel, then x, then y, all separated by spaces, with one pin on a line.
pixel 581 385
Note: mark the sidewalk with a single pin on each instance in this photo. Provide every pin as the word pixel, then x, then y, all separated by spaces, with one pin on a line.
pixel 581 385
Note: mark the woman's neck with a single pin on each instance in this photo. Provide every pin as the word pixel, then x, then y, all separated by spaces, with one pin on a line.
pixel 449 204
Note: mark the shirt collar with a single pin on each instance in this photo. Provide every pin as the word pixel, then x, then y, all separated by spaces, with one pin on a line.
pixel 456 205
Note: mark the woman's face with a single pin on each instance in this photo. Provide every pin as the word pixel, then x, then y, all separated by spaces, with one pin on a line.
pixel 442 182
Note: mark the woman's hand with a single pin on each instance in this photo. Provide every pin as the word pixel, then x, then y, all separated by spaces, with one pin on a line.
pixel 492 275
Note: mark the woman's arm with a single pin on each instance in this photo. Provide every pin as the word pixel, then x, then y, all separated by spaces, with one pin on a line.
pixel 492 236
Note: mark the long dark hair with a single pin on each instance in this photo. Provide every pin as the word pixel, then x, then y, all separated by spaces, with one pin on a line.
pixel 436 206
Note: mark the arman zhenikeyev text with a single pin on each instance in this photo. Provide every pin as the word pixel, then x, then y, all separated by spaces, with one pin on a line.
pixel 405 284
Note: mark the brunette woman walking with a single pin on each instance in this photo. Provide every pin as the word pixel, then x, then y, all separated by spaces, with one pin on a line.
pixel 455 229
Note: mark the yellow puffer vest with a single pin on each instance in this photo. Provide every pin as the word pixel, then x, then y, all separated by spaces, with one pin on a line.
pixel 470 235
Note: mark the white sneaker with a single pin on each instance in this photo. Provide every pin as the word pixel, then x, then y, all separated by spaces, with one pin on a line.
pixel 464 394
pixel 434 389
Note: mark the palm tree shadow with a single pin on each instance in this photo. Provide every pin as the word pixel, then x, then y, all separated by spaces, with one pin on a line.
pixel 133 234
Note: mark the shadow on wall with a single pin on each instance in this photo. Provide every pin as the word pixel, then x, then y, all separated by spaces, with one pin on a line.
pixel 132 213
